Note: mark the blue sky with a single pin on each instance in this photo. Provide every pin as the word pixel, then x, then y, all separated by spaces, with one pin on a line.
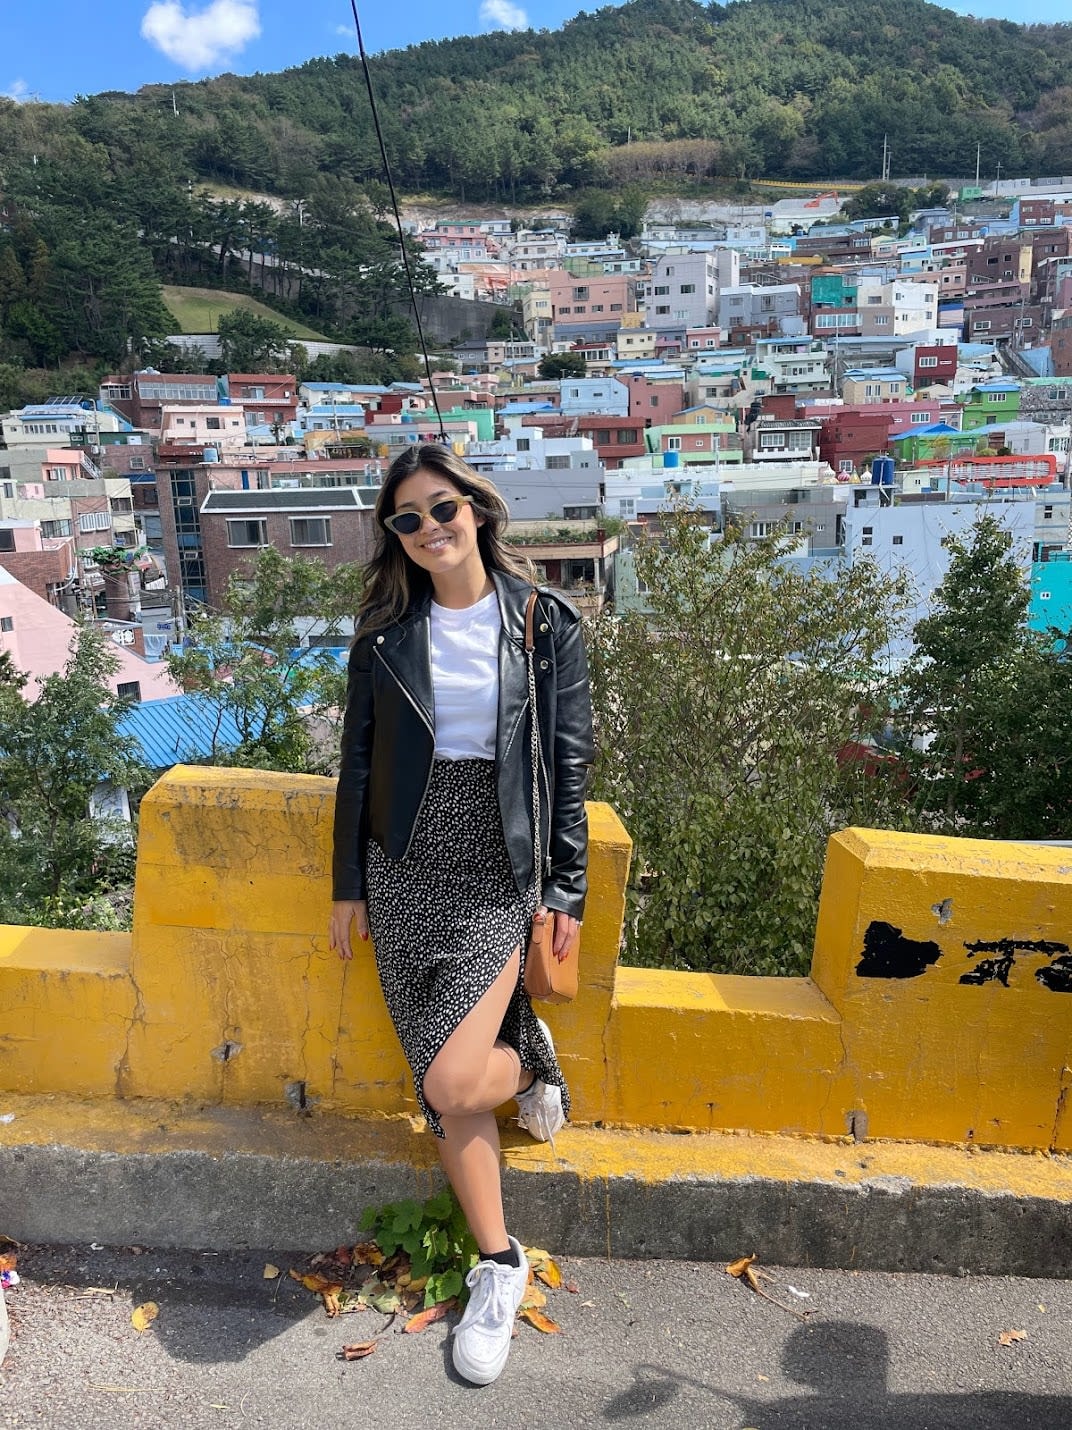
pixel 78 47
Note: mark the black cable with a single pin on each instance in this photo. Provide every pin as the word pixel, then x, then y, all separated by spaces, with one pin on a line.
pixel 398 220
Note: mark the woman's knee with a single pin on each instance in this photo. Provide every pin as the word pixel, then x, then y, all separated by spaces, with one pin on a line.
pixel 454 1089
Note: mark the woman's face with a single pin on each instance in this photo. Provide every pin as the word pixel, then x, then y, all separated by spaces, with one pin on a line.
pixel 440 548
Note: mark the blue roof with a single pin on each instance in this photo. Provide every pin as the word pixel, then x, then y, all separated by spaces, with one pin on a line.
pixel 997 385
pixel 178 729
pixel 521 409
pixel 932 429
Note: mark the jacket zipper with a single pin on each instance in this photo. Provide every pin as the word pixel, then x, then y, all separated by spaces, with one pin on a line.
pixel 424 720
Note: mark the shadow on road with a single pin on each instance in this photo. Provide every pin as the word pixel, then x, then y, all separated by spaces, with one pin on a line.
pixel 845 1369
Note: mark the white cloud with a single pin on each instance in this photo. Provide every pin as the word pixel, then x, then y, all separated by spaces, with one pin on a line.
pixel 503 15
pixel 201 40
pixel 18 90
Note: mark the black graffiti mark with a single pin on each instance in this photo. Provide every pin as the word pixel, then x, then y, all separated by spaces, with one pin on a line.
pixel 1056 976
pixel 888 954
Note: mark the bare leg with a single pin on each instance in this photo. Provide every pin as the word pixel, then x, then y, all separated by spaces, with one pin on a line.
pixel 469 1077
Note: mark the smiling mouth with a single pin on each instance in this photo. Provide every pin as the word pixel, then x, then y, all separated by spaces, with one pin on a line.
pixel 437 543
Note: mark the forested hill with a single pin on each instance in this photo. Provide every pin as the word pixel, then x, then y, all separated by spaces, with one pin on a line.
pixel 796 88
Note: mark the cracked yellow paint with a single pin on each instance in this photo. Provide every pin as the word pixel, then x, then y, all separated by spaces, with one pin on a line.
pixel 229 949
pixel 66 1007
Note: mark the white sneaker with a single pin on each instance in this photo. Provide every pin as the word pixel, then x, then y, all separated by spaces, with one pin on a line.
pixel 539 1107
pixel 482 1336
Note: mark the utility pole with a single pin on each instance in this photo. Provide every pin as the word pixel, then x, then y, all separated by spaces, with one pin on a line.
pixel 885 158
pixel 978 156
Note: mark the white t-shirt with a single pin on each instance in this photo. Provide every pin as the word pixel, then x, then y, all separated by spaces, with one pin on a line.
pixel 465 679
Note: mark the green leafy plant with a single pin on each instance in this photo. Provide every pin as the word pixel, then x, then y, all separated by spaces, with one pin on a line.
pixel 434 1236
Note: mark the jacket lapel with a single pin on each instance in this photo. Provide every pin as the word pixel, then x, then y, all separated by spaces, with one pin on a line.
pixel 407 650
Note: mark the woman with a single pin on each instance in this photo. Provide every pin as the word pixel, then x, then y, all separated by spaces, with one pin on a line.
pixel 434 835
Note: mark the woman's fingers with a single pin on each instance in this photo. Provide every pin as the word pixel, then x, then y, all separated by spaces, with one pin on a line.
pixel 565 930
pixel 343 915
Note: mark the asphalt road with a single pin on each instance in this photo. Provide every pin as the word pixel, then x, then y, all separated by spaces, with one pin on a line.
pixel 643 1344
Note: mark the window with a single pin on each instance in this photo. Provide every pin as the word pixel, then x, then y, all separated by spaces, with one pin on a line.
pixel 7 623
pixel 524 444
pixel 654 401
pixel 129 690
pixel 687 288
pixel 597 307
pixel 867 536
pixel 920 417
pixel 673 444
pixel 602 436
pixel 845 465
pixel 927 362
pixel 565 310
pixel 982 327
pixel 1047 513
pixel 95 521
pixel 616 307
pixel 580 295
pixel 136 464
pixel 663 309
pixel 310 531
pixel 995 397
pixel 580 513
pixel 662 290
pixel 882 320
pixel 626 434
pixel 7 539
pixel 55 474
pixel 898 541
pixel 247 533
pixel 557 464
pixel 8 488
pixel 213 424
pixel 56 528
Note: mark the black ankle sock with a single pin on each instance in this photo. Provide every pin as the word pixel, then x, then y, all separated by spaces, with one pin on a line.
pixel 504 1258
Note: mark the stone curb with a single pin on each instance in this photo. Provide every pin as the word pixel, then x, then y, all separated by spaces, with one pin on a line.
pixel 227 1178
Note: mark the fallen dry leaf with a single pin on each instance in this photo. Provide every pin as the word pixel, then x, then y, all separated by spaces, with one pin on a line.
pixel 1009 1338
pixel 540 1321
pixel 8 1261
pixel 740 1266
pixel 744 1270
pixel 270 1272
pixel 328 1291
pixel 358 1351
pixel 342 1255
pixel 367 1253
pixel 143 1316
pixel 543 1265
pixel 572 1287
pixel 424 1319
pixel 533 1299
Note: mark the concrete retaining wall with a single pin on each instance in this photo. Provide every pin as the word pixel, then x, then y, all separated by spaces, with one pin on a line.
pixel 938 1008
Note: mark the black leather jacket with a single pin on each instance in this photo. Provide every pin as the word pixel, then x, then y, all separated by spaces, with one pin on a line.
pixel 388 743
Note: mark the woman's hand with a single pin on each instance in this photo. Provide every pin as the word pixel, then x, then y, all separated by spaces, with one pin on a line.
pixel 343 913
pixel 566 927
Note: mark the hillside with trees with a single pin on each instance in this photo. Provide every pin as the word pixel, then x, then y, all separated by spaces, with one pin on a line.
pixel 103 200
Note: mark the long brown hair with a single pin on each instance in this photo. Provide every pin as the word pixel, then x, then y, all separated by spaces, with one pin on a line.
pixel 392 581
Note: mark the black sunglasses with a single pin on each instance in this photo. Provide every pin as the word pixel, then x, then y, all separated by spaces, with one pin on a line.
pixel 408 523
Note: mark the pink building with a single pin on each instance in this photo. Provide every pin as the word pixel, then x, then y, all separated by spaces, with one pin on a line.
pixel 655 400
pixel 589 303
pixel 38 637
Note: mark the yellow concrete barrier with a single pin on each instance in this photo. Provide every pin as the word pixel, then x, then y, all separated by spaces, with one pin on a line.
pixel 937 1010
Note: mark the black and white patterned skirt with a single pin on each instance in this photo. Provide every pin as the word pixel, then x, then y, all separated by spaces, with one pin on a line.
pixel 445 920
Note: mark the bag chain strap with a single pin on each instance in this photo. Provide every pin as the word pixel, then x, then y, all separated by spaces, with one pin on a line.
pixel 530 657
